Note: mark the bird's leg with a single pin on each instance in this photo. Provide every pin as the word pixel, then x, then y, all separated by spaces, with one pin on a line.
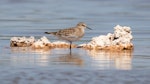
pixel 70 46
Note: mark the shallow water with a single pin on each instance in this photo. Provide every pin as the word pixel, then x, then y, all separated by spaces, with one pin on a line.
pixel 55 66
pixel 33 17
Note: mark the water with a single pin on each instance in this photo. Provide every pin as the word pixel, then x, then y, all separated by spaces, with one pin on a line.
pixel 33 17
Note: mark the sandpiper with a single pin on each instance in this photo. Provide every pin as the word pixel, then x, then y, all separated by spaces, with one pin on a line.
pixel 71 34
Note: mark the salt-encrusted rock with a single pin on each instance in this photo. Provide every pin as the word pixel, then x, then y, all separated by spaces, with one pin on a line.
pixel 119 40
pixel 21 41
pixel 45 43
pixel 60 44
pixel 41 43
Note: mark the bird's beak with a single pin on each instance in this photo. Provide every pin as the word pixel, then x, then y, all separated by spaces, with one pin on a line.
pixel 89 28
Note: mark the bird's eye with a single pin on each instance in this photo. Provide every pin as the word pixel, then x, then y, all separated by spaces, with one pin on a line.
pixel 83 25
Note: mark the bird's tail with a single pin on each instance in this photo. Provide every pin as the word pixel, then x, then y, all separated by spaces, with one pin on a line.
pixel 54 33
pixel 48 32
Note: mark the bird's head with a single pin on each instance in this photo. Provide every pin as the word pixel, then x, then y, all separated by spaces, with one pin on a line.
pixel 83 25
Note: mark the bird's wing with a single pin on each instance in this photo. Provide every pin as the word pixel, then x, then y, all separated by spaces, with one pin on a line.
pixel 66 32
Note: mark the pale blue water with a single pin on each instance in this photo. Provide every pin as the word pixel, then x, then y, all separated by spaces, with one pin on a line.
pixel 33 17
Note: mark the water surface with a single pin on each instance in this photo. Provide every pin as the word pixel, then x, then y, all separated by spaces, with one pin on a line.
pixel 33 17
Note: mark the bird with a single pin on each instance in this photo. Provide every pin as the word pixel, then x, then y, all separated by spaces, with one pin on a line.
pixel 71 34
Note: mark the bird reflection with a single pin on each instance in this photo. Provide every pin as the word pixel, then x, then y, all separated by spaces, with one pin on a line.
pixel 44 57
pixel 112 59
pixel 102 59
pixel 69 58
